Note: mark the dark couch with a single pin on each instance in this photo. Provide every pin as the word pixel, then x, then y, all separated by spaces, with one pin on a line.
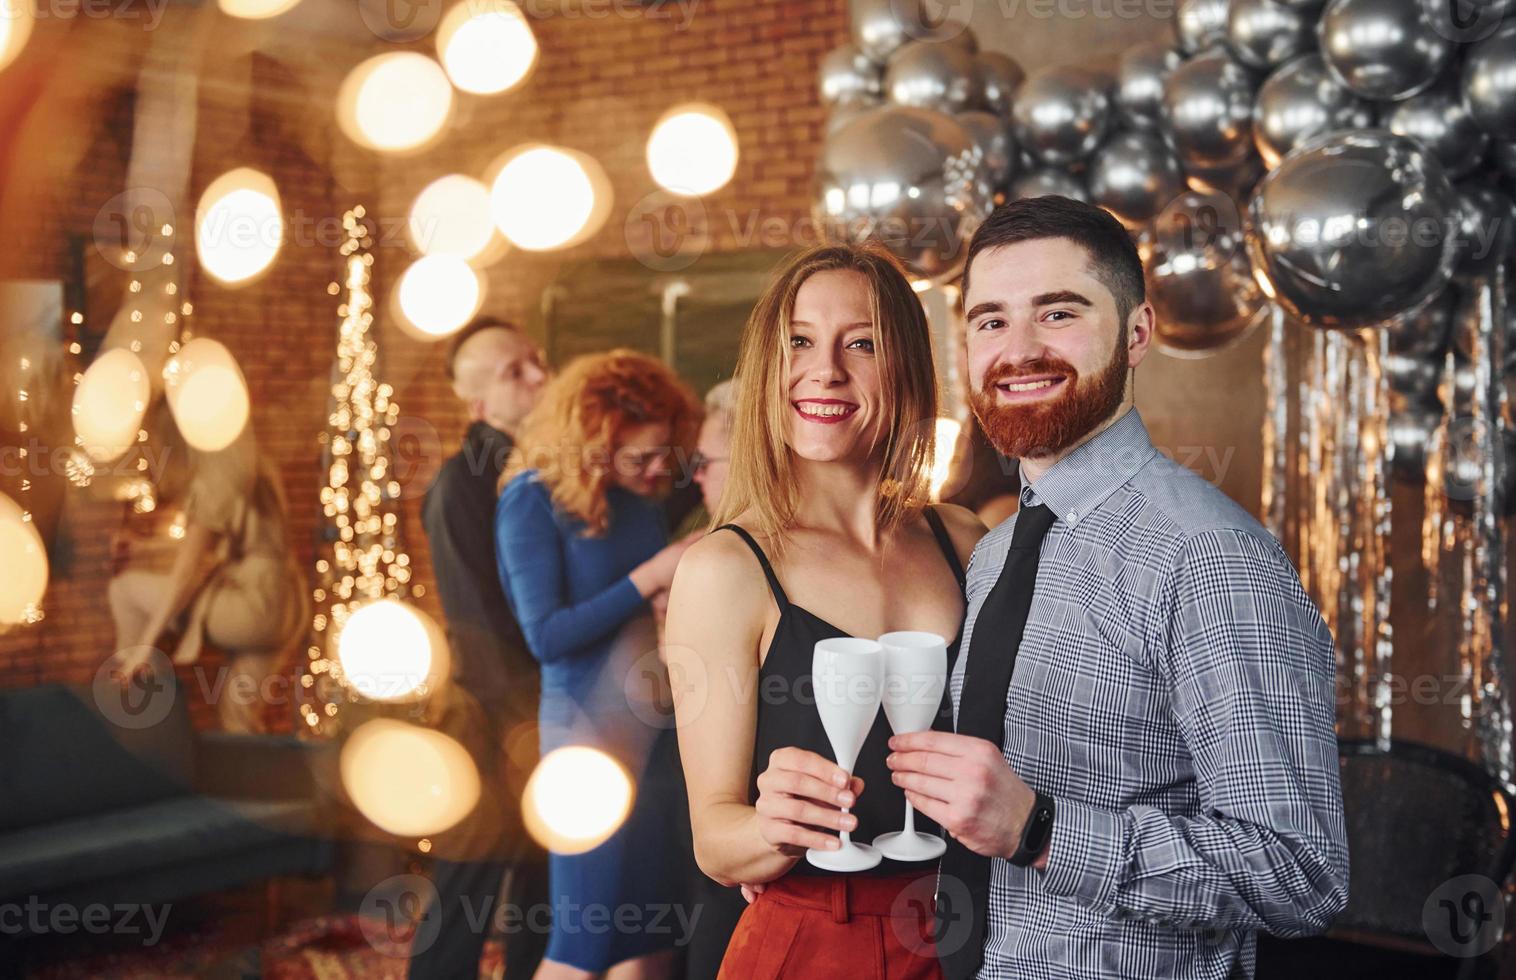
pixel 97 805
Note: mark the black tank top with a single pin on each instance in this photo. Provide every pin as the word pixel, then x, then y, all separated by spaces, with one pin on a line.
pixel 787 713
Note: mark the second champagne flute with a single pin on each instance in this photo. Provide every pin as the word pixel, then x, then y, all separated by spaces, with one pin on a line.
pixel 848 675
pixel 915 672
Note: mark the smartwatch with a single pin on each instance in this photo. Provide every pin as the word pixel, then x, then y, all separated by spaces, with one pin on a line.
pixel 1038 831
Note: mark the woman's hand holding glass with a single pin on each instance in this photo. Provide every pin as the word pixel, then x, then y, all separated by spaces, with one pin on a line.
pixel 799 792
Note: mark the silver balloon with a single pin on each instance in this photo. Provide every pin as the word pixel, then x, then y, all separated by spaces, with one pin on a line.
pixel 1424 335
pixel 1263 33
pixel 999 77
pixel 843 115
pixel 1208 111
pixel 1048 180
pixel 1383 49
pixel 1489 83
pixel 1235 182
pixel 881 26
pixel 1438 119
pixel 1486 227
pixel 1353 229
pixel 910 178
pixel 993 135
pixel 1503 158
pixel 1301 100
pixel 1139 82
pixel 932 75
pixel 1200 24
pixel 850 78
pixel 1202 289
pixel 1061 114
pixel 1133 175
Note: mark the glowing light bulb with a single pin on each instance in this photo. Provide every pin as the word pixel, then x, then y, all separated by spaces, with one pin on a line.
pixel 693 149
pixel 486 46
pixel 547 197
pixel 23 574
pixel 575 799
pixel 395 103
pixel 451 216
pixel 109 403
pixel 207 394
pixel 438 294
pixel 391 651
pixel 408 780
pixel 238 225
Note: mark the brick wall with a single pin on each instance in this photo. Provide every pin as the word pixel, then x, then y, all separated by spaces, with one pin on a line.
pixel 605 74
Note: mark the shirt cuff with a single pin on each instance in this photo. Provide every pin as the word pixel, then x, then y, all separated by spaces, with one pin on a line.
pixel 1084 858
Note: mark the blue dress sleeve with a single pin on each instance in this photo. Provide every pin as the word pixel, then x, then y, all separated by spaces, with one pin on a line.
pixel 529 547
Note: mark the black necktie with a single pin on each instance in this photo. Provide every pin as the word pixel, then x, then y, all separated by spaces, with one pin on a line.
pixel 981 713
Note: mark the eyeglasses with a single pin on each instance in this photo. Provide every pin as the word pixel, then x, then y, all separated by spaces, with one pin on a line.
pixel 700 461
pixel 638 462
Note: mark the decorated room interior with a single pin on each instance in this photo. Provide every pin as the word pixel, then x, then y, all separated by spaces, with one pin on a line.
pixel 302 299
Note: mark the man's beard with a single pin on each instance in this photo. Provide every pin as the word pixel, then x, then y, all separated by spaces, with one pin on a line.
pixel 1045 428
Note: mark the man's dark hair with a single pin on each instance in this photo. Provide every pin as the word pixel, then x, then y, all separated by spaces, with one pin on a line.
pixel 1113 255
pixel 478 323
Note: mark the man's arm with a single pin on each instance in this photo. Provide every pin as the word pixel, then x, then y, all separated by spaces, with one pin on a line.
pixel 1252 669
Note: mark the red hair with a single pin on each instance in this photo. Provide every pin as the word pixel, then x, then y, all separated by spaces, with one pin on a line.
pixel 573 433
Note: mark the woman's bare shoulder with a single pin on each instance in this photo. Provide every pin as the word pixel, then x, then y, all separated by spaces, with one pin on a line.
pixel 721 562
pixel 963 526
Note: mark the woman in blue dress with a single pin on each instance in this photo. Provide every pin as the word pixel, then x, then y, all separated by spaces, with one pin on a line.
pixel 583 549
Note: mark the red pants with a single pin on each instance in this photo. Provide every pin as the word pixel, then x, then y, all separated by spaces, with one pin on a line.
pixel 837 926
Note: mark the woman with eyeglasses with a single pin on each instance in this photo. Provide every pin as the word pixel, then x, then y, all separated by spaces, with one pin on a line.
pixel 582 548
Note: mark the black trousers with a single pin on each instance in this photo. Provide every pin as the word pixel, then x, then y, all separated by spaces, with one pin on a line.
pixel 486 849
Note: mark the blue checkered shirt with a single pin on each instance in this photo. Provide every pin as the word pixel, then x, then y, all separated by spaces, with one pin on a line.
pixel 1173 694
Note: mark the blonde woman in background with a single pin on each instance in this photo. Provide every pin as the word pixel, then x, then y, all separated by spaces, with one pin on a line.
pixel 234 581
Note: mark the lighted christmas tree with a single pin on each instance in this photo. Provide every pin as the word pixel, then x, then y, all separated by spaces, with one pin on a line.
pixel 359 555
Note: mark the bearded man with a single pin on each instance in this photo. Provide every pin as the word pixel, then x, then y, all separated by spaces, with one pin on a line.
pixel 1144 770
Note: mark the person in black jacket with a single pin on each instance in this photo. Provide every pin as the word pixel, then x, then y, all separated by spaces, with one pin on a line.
pixel 491 705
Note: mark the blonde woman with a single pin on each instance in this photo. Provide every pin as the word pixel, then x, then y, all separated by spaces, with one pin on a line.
pixel 824 532
pixel 582 547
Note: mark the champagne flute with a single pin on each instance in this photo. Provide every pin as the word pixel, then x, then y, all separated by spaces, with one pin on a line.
pixel 915 672
pixel 848 675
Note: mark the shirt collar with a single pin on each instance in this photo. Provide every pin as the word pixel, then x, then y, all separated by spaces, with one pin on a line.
pixel 488 442
pixel 1079 482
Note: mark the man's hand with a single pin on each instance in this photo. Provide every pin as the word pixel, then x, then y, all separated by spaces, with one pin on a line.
pixel 965 785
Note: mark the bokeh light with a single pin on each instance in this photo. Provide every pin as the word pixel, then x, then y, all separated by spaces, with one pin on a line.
pixel 486 46
pixel 947 434
pixel 238 225
pixel 109 403
pixel 575 799
pixel 693 149
pixel 438 294
pixel 255 9
pixel 408 780
pixel 23 573
pixel 547 197
pixel 16 18
pixel 395 103
pixel 391 651
pixel 451 216
pixel 207 394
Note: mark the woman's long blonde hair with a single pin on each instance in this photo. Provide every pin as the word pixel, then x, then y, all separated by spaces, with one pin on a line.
pixel 761 481
pixel 570 438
